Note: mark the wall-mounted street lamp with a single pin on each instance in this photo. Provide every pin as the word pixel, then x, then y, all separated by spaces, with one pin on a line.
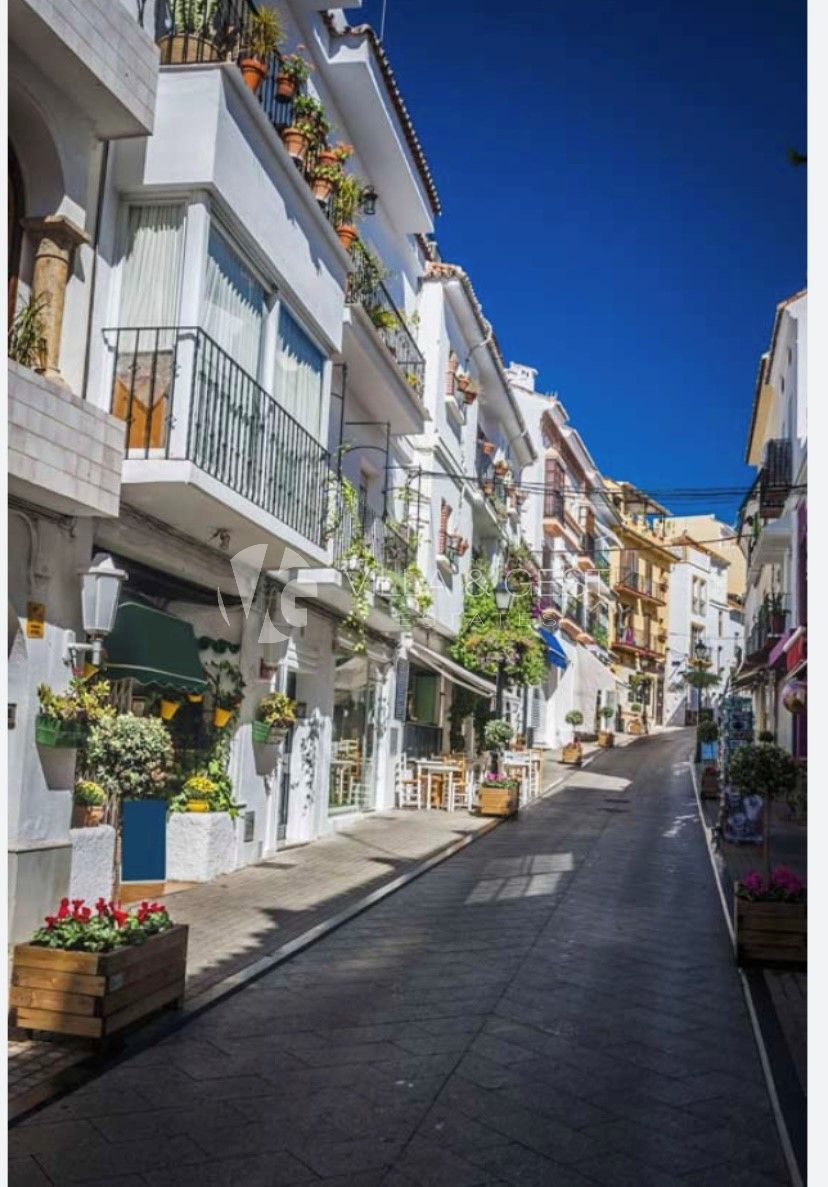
pixel 368 201
pixel 100 592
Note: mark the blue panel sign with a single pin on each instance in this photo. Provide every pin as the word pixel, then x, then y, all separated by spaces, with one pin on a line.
pixel 144 841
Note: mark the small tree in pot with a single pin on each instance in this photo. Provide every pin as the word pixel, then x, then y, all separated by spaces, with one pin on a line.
pixel 572 751
pixel 767 770
pixel 605 736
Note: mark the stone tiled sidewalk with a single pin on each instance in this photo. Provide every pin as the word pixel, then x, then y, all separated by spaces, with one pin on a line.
pixel 244 916
pixel 557 1005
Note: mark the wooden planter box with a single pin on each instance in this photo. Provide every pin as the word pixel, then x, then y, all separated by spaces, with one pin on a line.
pixel 498 801
pixel 709 785
pixel 606 738
pixel 96 994
pixel 635 727
pixel 571 754
pixel 771 933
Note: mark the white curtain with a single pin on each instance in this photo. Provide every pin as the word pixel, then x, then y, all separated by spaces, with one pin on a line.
pixel 233 305
pixel 299 374
pixel 152 266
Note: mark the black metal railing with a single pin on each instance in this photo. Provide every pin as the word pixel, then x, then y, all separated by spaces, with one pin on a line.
pixel 196 32
pixel 627 636
pixel 169 378
pixel 596 626
pixel 645 586
pixel 553 503
pixel 422 741
pixel 602 561
pixel 586 546
pixel 387 544
pixel 769 624
pixel 775 478
pixel 366 289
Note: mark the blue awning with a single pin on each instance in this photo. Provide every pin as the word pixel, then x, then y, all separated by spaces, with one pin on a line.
pixel 555 654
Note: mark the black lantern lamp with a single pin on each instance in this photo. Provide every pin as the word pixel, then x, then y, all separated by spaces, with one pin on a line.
pixel 368 201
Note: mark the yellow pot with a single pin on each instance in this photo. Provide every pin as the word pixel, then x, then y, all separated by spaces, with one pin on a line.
pixel 221 717
pixel 169 709
pixel 198 805
pixel 195 698
pixel 89 670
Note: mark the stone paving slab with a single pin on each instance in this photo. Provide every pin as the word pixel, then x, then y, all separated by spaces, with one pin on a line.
pixel 241 917
pixel 530 1012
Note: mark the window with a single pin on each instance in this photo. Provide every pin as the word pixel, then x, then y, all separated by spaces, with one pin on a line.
pixel 152 266
pixel 232 308
pixel 299 370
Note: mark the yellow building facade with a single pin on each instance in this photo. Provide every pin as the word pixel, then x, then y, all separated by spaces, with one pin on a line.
pixel 640 576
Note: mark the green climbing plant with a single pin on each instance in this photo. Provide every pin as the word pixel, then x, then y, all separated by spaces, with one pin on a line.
pixel 485 639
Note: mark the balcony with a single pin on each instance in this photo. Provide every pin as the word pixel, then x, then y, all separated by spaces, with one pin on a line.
pixel 385 365
pixel 585 560
pixel 769 625
pixel 775 478
pixel 636 584
pixel 635 640
pixel 209 450
pixel 554 519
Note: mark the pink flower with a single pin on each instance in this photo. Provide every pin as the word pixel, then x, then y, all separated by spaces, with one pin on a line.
pixel 754 883
pixel 786 880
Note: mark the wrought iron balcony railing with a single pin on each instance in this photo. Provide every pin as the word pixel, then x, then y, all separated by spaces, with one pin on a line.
pixel 775 478
pixel 387 544
pixel 769 624
pixel 642 585
pixel 366 289
pixel 183 397
pixel 634 637
pixel 553 504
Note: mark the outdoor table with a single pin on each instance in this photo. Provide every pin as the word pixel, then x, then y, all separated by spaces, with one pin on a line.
pixel 435 766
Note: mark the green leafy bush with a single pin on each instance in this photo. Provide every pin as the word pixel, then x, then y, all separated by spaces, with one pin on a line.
pixel 131 756
pixel 707 731
pixel 497 734
pixel 763 769
pixel 574 717
pixel 89 794
pixel 82 703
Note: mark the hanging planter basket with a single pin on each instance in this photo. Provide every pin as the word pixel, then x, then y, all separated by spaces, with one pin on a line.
pixel 169 709
pixel 195 698
pixel 253 72
pixel 285 86
pixel 221 717
pixel 265 734
pixel 50 731
pixel 295 142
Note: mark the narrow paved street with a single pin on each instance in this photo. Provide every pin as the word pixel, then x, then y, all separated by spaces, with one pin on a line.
pixel 558 1004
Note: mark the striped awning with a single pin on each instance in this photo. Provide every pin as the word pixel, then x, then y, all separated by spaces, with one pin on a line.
pixel 154 649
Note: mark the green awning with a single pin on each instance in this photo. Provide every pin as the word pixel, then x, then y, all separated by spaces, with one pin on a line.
pixel 154 649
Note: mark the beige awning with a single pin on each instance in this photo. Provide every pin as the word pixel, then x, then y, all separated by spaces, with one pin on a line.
pixel 452 671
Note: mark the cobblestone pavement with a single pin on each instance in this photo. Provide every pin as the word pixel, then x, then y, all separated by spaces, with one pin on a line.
pixel 558 1004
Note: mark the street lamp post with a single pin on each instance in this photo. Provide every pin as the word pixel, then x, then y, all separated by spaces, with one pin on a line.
pixel 503 597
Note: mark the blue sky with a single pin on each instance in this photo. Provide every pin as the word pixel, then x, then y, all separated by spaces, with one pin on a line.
pixel 614 177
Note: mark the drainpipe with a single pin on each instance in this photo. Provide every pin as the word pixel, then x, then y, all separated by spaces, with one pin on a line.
pixel 95 241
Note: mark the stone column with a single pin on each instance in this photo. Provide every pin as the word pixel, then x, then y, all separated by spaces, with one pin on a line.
pixel 55 238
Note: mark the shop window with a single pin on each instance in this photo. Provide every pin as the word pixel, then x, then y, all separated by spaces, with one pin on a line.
pixel 351 783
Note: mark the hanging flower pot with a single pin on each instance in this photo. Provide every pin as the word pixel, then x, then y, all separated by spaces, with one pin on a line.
pixel 487 447
pixel 89 670
pixel 295 142
pixel 501 468
pixel 50 731
pixel 469 396
pixel 347 235
pixel 253 72
pixel 221 717
pixel 169 709
pixel 195 698
pixel 462 548
pixel 285 86
pixel 521 497
pixel 322 188
pixel 327 157
pixel 488 487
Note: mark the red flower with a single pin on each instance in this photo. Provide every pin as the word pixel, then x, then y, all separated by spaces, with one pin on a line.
pixel 51 920
pixel 86 914
pixel 77 903
pixel 100 906
pixel 63 911
pixel 120 917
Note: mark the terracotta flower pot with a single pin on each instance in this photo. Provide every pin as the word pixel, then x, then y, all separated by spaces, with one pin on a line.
pixel 326 156
pixel 253 72
pixel 501 468
pixel 322 188
pixel 488 448
pixel 488 488
pixel 87 816
pixel 295 142
pixel 347 235
pixel 285 86
pixel 469 397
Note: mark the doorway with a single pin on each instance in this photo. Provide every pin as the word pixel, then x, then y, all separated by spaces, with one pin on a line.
pixel 284 776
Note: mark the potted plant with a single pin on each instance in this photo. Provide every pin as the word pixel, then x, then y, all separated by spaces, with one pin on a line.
pixel 91 971
pixel 325 179
pixel 766 770
pixel 228 691
pixel 168 708
pixel 293 73
pixel 199 791
pixel 345 206
pixel 572 752
pixel 776 613
pixel 27 342
pixel 88 804
pixel 487 448
pixel 771 919
pixel 765 736
pixel 275 713
pixel 501 468
pixel 264 34
pixel 498 796
pixel 635 726
pixel 487 486
pixel 605 736
pixel 65 717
